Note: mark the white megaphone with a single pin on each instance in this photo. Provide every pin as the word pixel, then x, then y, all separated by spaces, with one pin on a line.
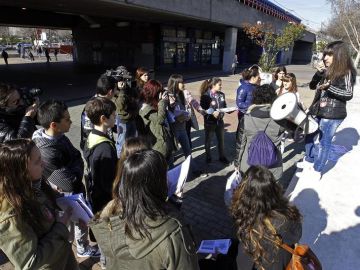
pixel 286 106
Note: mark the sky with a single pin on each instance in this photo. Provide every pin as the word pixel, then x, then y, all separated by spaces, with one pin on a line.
pixel 311 12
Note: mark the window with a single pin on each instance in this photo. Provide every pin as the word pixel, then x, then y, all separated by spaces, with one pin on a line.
pixel 181 53
pixel 181 33
pixel 168 32
pixel 169 51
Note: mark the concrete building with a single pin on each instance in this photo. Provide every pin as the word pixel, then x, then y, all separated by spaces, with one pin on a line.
pixel 160 34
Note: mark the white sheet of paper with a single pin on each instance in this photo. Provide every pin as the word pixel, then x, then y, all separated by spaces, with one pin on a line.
pixel 177 177
pixel 211 246
pixel 80 210
pixel 227 110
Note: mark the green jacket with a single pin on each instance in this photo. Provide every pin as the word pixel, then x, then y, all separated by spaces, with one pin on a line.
pixel 27 249
pixel 155 120
pixel 172 245
pixel 126 105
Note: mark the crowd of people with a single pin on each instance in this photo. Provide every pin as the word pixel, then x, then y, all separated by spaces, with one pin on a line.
pixel 130 130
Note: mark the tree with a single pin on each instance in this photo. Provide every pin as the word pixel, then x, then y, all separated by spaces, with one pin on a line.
pixel 345 24
pixel 265 36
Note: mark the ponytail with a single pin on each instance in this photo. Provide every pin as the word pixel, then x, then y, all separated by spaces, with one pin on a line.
pixel 209 83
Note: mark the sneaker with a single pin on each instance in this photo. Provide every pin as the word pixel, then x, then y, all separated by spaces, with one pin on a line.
pixel 224 160
pixel 89 252
pixel 208 160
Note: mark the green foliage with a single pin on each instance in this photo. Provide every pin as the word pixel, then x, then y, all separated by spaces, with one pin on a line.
pixel 264 36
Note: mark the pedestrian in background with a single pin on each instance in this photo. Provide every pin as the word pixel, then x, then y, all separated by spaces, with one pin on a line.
pixel 5 55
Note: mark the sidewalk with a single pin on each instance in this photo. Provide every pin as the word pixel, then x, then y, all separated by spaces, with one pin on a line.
pixel 331 206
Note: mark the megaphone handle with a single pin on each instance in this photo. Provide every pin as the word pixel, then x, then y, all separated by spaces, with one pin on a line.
pixel 297 136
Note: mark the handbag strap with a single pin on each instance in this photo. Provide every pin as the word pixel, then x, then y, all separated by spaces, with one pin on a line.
pixel 279 243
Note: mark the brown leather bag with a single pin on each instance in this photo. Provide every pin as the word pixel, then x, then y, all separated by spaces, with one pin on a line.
pixel 303 258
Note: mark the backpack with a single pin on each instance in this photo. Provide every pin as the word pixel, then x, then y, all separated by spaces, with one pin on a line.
pixel 262 150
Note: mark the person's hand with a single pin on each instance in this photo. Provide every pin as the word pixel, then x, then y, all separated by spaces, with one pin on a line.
pixel 216 114
pixel 64 216
pixel 164 95
pixel 31 110
pixel 320 66
pixel 324 86
pixel 172 100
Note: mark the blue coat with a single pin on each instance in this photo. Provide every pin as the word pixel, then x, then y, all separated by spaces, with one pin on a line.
pixel 244 95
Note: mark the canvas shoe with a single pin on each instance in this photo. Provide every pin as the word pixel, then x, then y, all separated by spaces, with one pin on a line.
pixel 89 252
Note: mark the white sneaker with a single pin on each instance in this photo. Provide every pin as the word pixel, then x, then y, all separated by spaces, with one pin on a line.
pixel 304 164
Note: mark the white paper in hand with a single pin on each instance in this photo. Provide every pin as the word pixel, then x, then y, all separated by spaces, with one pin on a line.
pixel 80 209
pixel 176 177
pixel 231 184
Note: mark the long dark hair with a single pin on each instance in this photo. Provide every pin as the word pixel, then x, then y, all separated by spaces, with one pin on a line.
pixel 258 199
pixel 143 192
pixel 208 84
pixel 131 145
pixel 278 70
pixel 342 63
pixel 16 183
pixel 290 77
pixel 173 87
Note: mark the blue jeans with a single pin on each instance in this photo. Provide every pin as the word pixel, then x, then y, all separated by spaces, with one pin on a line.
pixel 327 129
pixel 182 137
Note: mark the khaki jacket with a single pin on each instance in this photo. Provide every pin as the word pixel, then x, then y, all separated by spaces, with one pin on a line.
pixel 155 120
pixel 27 249
pixel 171 246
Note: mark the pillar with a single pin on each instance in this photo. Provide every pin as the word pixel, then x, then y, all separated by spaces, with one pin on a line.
pixel 229 48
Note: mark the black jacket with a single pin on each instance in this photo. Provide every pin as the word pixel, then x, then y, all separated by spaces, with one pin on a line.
pixel 101 158
pixel 63 164
pixel 214 101
pixel 14 125
pixel 331 103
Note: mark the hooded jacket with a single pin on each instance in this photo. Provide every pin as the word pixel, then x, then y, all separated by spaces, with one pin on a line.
pixel 15 125
pixel 171 246
pixel 29 249
pixel 100 155
pixel 63 164
pixel 261 117
pixel 155 120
